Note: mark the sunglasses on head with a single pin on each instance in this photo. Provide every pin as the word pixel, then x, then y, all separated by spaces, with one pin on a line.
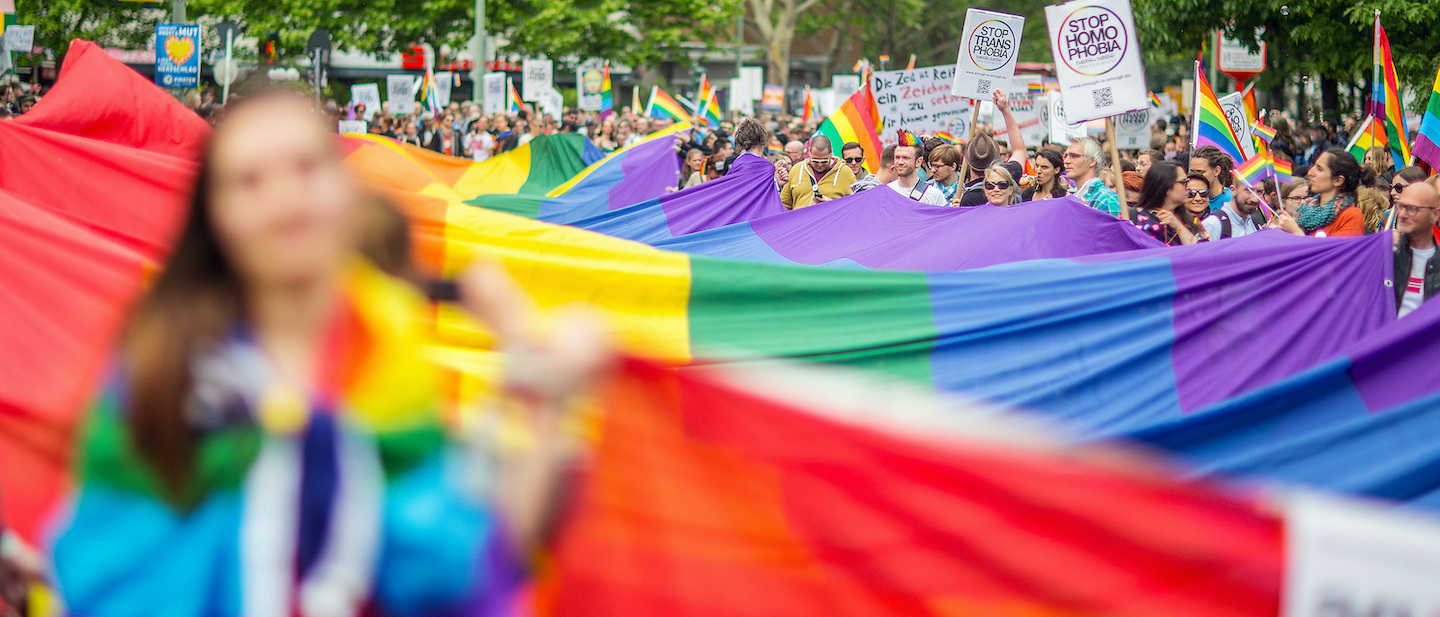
pixel 857 159
pixel 1001 185
pixel 1194 193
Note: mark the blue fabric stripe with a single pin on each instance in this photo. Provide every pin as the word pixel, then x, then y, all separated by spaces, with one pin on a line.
pixel 736 241
pixel 1086 343
pixel 643 222
pixel 588 197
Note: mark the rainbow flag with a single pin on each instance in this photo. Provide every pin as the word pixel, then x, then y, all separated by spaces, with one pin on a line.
pixel 1035 88
pixel 726 481
pixel 7 15
pixel 1283 171
pixel 1259 129
pixel 775 147
pixel 1427 143
pixel 1154 100
pixel 884 58
pixel 1255 170
pixel 1368 136
pixel 1385 103
pixel 709 112
pixel 945 135
pixel 911 64
pixel 429 97
pixel 807 109
pixel 662 105
pixel 702 95
pixel 1211 126
pixel 607 96
pixel 857 120
pixel 516 104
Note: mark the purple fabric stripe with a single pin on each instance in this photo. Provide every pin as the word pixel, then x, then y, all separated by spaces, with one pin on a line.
pixel 882 229
pixel 1232 327
pixel 1403 364
pixel 746 192
pixel 648 170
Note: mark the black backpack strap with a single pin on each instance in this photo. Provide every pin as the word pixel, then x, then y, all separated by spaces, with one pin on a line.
pixel 1224 225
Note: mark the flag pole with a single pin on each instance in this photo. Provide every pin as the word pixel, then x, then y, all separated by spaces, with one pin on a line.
pixel 965 160
pixel 1195 111
pixel 1377 82
pixel 1118 170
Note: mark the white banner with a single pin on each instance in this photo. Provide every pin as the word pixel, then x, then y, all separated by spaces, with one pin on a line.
pixel 400 92
pixel 494 84
pixel 553 104
pixel 919 101
pixel 1027 112
pixel 754 78
pixel 1350 557
pixel 1061 129
pixel 845 85
pixel 1097 57
pixel 18 38
pixel 988 50
pixel 740 99
pixel 1132 129
pixel 355 127
pixel 443 83
pixel 1234 107
pixel 369 94
pixel 537 78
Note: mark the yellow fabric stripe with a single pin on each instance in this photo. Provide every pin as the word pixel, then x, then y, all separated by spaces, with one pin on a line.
pixel 644 292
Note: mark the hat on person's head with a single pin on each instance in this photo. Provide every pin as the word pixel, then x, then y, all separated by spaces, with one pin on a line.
pixel 982 152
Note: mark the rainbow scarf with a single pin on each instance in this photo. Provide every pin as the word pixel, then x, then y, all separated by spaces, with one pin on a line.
pixel 304 483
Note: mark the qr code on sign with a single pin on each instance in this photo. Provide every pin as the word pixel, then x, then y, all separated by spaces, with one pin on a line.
pixel 984 86
pixel 1104 97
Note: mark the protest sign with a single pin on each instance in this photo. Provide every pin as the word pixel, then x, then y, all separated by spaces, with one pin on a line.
pixel 1132 129
pixel 754 77
pixel 177 55
pixel 1026 110
pixel 19 38
pixel 494 84
pixel 845 85
pixel 773 98
pixel 537 78
pixel 357 127
pixel 1234 107
pixel 1349 557
pixel 1061 129
pixel 591 81
pixel 1097 58
pixel 552 104
pixel 741 100
pixel 369 94
pixel 443 83
pixel 989 46
pixel 400 92
pixel 919 101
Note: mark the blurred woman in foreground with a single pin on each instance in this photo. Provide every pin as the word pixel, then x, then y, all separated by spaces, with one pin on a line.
pixel 270 442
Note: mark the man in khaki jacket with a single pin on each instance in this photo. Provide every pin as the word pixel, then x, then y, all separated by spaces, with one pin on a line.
pixel 817 179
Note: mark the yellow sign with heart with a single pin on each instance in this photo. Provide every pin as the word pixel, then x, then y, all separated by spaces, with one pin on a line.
pixel 179 48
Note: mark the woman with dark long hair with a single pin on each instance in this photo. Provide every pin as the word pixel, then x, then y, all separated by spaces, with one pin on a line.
pixel 1048 184
pixel 1160 210
pixel 1331 209
pixel 270 443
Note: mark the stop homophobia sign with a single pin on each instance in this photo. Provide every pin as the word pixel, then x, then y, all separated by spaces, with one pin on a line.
pixel 1097 58
pixel 988 51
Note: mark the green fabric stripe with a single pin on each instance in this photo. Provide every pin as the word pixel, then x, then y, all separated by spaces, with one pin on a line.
pixel 527 206
pixel 828 129
pixel 401 451
pixel 879 320
pixel 554 159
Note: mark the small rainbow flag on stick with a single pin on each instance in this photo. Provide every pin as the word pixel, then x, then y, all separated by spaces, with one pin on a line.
pixel 945 135
pixel 1283 171
pixel 1154 100
pixel 1427 143
pixel 663 105
pixel 1035 88
pixel 516 105
pixel 857 120
pixel 1259 129
pixel 1255 170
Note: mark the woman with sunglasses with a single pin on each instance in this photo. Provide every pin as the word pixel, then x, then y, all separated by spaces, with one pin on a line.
pixel 1000 189
pixel 1160 213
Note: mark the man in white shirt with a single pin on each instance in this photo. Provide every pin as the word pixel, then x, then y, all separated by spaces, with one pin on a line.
pixel 908 183
pixel 1234 219
pixel 1417 271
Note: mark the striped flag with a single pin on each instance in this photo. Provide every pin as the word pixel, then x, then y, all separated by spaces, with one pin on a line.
pixel 1369 136
pixel 1283 170
pixel 1154 100
pixel 1427 143
pixel 516 105
pixel 1212 127
pixel 662 105
pixel 809 110
pixel 607 97
pixel 1254 170
pixel 1385 104
pixel 1265 133
pixel 857 120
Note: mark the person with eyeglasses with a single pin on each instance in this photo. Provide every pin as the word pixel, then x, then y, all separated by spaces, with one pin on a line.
pixel 1160 210
pixel 817 179
pixel 1417 265
pixel 1082 166
pixel 1403 178
pixel 945 169
pixel 1291 196
pixel 853 155
pixel 1000 189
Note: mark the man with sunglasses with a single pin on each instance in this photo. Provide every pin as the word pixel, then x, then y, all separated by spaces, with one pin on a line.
pixel 817 179
pixel 853 154
pixel 1417 266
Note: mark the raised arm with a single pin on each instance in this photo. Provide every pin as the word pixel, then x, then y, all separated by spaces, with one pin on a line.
pixel 1012 129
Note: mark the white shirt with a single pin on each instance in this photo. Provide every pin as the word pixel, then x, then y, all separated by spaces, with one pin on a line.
pixel 1239 225
pixel 481 145
pixel 932 197
pixel 1415 287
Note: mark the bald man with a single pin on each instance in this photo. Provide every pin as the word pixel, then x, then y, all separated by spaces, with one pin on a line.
pixel 1417 269
pixel 819 179
pixel 796 151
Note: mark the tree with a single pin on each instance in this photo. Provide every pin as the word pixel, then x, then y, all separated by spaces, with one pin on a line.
pixel 776 21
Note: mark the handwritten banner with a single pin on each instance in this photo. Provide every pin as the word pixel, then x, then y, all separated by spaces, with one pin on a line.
pixel 919 101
